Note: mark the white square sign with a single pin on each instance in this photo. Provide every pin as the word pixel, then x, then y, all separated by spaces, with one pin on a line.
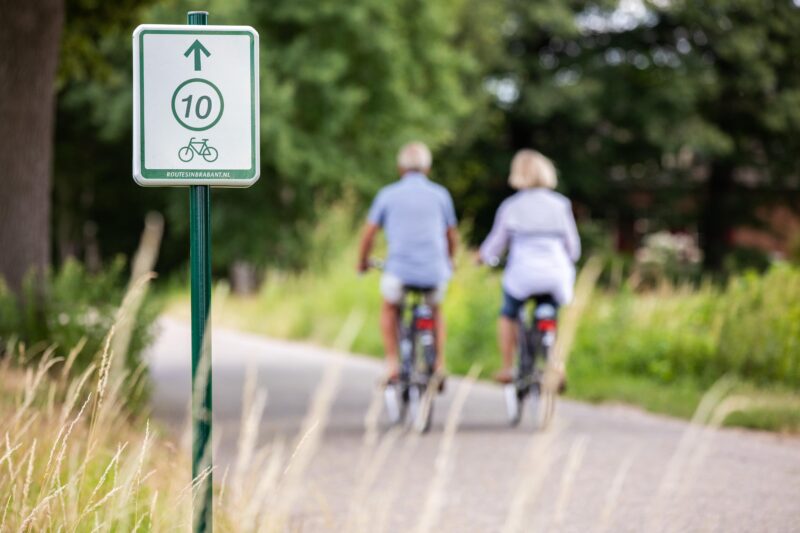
pixel 195 105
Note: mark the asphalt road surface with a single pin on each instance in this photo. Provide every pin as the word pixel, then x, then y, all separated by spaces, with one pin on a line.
pixel 598 468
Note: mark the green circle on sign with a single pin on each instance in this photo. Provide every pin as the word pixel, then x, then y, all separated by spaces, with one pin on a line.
pixel 194 106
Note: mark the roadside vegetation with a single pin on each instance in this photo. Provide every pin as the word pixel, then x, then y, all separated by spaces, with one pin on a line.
pixel 659 345
pixel 75 458
pixel 75 306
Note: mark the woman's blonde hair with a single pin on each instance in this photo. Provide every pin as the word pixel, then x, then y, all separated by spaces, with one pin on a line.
pixel 530 169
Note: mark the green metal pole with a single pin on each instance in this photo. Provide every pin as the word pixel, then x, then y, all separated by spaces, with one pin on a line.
pixel 200 257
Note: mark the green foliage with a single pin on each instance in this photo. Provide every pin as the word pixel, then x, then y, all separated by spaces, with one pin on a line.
pixel 660 115
pixel 9 314
pixel 88 22
pixel 661 336
pixel 637 115
pixel 343 85
pixel 760 332
pixel 72 306
pixel 749 329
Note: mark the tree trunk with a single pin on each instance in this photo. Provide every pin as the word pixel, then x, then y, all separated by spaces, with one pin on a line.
pixel 716 218
pixel 29 45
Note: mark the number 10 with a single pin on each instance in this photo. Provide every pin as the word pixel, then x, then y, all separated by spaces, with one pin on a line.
pixel 197 107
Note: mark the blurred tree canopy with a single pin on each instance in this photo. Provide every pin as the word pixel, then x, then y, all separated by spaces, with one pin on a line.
pixel 342 86
pixel 684 113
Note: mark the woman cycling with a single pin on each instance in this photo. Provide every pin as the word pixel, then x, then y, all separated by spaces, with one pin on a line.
pixel 537 228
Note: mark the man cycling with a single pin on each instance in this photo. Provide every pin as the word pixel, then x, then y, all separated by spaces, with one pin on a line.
pixel 538 229
pixel 420 224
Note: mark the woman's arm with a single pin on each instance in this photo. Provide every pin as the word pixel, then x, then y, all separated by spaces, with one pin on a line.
pixel 572 241
pixel 497 241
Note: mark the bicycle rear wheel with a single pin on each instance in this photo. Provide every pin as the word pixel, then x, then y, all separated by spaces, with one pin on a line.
pixel 394 403
pixel 543 405
pixel 423 416
pixel 514 403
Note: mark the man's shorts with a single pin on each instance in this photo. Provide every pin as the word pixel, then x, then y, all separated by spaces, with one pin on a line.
pixel 392 290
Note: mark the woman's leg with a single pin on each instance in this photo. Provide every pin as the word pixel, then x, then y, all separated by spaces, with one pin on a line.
pixel 507 335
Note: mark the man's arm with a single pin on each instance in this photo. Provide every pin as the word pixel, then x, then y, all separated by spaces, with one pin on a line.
pixel 452 242
pixel 364 249
pixel 452 225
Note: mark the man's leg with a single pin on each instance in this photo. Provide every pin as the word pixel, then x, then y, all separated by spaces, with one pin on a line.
pixel 392 292
pixel 389 334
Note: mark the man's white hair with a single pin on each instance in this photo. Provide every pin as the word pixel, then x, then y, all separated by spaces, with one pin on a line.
pixel 414 156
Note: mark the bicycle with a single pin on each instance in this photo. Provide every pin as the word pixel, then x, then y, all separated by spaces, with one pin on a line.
pixel 410 398
pixel 201 148
pixel 535 340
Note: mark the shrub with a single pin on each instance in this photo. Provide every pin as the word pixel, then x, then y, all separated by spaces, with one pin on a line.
pixel 750 328
pixel 71 305
pixel 760 334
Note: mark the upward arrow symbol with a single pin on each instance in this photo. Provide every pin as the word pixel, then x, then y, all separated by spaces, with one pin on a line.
pixel 197 48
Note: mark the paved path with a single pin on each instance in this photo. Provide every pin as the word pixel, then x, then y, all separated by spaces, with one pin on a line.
pixel 597 469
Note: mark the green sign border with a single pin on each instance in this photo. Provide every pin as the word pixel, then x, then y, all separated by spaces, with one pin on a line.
pixel 164 173
pixel 221 104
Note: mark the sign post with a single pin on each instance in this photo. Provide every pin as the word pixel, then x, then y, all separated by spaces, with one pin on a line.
pixel 196 124
pixel 200 266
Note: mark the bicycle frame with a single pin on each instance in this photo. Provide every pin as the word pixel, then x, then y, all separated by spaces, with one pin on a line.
pixel 417 330
pixel 416 338
pixel 536 337
pixel 414 390
pixel 203 145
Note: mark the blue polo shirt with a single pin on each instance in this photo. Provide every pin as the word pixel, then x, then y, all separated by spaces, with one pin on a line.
pixel 415 214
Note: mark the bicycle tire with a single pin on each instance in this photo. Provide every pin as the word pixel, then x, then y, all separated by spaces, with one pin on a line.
pixel 514 404
pixel 207 154
pixel 424 413
pixel 394 403
pixel 543 405
pixel 412 406
pixel 186 154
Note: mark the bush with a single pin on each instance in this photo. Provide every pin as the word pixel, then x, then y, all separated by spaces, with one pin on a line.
pixel 72 305
pixel 750 328
pixel 760 333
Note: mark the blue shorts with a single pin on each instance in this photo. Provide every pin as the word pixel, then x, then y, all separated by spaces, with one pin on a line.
pixel 512 306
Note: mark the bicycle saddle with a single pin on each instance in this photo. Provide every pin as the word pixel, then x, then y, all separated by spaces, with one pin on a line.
pixel 544 298
pixel 418 288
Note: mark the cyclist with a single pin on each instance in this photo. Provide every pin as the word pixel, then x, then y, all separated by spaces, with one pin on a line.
pixel 419 220
pixel 537 227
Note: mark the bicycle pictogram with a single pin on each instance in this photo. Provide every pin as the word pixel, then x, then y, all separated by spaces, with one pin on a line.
pixel 199 147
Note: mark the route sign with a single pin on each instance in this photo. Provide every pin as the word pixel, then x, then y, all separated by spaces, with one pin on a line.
pixel 195 105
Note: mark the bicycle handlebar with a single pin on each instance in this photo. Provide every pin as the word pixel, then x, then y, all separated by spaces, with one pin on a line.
pixel 493 262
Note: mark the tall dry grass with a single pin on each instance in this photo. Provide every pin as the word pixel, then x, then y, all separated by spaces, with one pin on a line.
pixel 73 460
